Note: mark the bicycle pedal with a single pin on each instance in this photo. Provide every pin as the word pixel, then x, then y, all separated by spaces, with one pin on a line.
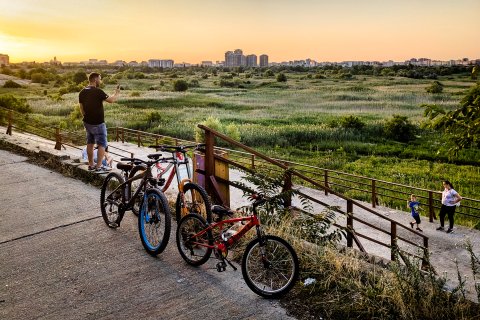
pixel 221 266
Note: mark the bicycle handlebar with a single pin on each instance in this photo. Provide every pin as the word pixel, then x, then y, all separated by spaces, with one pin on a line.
pixel 258 198
pixel 139 161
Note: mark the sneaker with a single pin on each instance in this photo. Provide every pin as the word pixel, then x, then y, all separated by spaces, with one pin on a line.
pixel 419 229
pixel 103 169
pixel 91 168
pixel 449 230
pixel 411 224
pixel 440 228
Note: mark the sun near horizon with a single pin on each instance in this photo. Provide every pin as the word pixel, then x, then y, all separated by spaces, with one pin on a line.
pixel 193 31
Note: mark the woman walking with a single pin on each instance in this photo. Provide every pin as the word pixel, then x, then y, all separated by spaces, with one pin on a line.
pixel 450 200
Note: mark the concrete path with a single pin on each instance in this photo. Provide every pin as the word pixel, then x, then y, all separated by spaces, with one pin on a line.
pixel 58 260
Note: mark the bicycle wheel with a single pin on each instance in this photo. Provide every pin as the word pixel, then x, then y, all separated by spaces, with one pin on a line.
pixel 195 200
pixel 273 273
pixel 193 250
pixel 154 222
pixel 133 187
pixel 112 197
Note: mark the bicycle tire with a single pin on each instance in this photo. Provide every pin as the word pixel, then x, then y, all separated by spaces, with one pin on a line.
pixel 274 276
pixel 133 187
pixel 188 226
pixel 110 207
pixel 196 200
pixel 154 222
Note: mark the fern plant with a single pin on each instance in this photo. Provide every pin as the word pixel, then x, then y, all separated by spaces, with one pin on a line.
pixel 303 221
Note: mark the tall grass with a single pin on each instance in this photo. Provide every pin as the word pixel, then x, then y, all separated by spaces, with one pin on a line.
pixel 296 120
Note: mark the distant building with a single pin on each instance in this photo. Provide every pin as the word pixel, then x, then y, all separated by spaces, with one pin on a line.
pixel 155 63
pixel 229 59
pixel 263 60
pixel 252 60
pixel 118 63
pixel 235 58
pixel 207 63
pixel 55 62
pixel 4 60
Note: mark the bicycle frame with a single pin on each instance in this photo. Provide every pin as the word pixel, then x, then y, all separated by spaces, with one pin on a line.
pixel 142 186
pixel 223 246
pixel 176 163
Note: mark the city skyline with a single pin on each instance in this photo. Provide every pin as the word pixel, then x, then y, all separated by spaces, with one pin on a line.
pixel 189 31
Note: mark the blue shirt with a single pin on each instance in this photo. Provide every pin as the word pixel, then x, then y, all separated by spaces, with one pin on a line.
pixel 414 205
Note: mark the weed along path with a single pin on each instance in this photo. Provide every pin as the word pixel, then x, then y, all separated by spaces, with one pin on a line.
pixel 58 260
pixel 82 235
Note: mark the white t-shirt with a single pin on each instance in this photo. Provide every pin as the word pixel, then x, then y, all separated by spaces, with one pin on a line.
pixel 449 197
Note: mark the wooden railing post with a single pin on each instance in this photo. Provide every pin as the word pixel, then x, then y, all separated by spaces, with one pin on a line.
pixel 425 265
pixel 393 240
pixel 139 140
pixel 431 212
pixel 287 187
pixel 349 223
pixel 58 139
pixel 253 161
pixel 374 194
pixel 10 123
pixel 116 134
pixel 325 174
pixel 209 160
pixel 123 135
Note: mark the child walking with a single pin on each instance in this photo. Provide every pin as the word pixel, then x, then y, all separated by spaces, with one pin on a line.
pixel 414 206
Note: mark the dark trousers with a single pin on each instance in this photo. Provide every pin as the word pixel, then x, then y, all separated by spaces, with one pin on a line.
pixel 444 210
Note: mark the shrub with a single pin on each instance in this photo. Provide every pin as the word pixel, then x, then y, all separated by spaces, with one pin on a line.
pixel 12 84
pixel 79 77
pixel 269 73
pixel 194 83
pixel 153 116
pixel 226 83
pixel 435 87
pixel 9 101
pixel 351 122
pixel 400 129
pixel 230 129
pixel 281 77
pixel 180 85
pixel 39 78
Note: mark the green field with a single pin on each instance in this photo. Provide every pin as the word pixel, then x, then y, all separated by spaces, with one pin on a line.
pixel 302 119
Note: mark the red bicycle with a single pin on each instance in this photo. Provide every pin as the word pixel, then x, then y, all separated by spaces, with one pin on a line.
pixel 270 265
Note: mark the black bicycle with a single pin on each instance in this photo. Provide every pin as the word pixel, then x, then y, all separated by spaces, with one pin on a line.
pixel 191 197
pixel 116 197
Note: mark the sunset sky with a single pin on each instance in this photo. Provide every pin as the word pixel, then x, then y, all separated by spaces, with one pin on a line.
pixel 196 30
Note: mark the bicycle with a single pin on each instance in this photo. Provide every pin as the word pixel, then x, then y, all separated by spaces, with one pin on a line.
pixel 191 197
pixel 116 197
pixel 269 266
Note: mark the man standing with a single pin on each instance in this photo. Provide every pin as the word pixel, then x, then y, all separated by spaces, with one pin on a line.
pixel 91 105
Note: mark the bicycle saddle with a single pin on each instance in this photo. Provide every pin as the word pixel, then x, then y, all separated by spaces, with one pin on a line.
pixel 222 211
pixel 124 166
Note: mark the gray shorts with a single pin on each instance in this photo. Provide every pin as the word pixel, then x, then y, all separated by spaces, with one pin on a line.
pixel 96 133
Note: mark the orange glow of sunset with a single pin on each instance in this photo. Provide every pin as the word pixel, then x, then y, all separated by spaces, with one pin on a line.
pixel 192 31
